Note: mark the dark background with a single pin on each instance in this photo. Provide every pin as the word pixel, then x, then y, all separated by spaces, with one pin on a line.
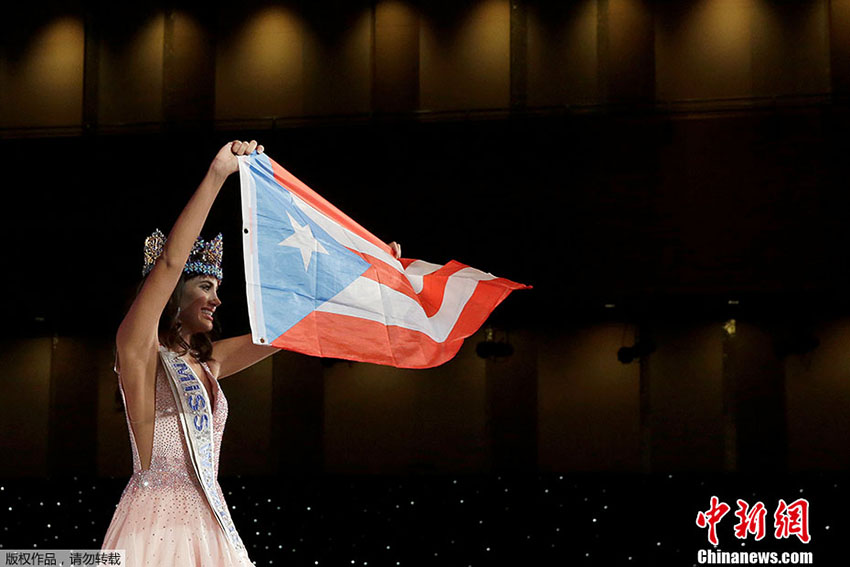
pixel 683 163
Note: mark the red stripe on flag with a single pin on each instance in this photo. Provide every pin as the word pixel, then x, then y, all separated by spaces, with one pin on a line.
pixel 390 278
pixel 433 286
pixel 341 336
pixel 352 338
pixel 319 203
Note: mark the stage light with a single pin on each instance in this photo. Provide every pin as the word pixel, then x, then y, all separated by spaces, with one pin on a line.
pixel 642 348
pixel 490 348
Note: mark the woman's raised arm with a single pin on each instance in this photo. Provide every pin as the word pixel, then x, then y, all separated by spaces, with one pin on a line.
pixel 137 334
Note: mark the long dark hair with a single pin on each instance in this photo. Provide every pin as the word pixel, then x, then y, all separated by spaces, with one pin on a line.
pixel 200 344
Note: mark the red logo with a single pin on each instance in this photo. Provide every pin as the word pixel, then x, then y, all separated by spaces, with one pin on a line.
pixel 788 520
pixel 750 522
pixel 711 516
pixel 792 519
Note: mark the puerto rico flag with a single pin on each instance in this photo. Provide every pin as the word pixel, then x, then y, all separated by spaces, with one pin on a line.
pixel 319 283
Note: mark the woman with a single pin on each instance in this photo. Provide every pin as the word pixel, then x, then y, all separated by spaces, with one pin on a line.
pixel 172 511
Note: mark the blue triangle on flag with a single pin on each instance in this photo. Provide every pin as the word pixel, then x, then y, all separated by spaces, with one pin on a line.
pixel 300 265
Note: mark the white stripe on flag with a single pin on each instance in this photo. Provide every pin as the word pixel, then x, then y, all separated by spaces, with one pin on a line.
pixel 416 272
pixel 249 251
pixel 368 299
pixel 343 235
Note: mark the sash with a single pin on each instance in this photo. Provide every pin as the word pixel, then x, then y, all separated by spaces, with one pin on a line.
pixel 197 424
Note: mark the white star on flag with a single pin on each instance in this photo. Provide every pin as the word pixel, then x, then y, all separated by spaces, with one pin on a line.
pixel 304 240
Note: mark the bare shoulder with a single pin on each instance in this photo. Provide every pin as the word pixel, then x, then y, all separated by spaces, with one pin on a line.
pixel 137 360
pixel 215 367
pixel 137 374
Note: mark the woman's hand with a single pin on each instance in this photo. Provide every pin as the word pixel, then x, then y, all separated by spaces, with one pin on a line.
pixel 225 161
pixel 396 248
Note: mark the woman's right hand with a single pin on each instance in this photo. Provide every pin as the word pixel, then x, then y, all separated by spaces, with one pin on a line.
pixel 225 161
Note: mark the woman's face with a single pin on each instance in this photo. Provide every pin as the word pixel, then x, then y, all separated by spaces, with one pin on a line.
pixel 198 303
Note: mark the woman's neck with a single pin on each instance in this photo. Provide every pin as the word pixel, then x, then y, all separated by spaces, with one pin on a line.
pixel 186 338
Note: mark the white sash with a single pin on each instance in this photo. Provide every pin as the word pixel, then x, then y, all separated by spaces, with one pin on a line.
pixel 197 424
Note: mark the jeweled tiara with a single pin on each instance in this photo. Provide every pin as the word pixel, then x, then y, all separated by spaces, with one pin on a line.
pixel 205 257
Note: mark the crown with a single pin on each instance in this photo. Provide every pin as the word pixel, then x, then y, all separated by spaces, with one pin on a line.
pixel 205 257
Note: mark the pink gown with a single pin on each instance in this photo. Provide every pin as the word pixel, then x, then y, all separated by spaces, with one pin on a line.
pixel 163 518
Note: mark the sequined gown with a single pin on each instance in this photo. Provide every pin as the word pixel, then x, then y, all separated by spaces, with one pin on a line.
pixel 163 518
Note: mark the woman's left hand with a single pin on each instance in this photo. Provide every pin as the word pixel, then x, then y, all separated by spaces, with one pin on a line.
pixel 226 162
pixel 396 248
